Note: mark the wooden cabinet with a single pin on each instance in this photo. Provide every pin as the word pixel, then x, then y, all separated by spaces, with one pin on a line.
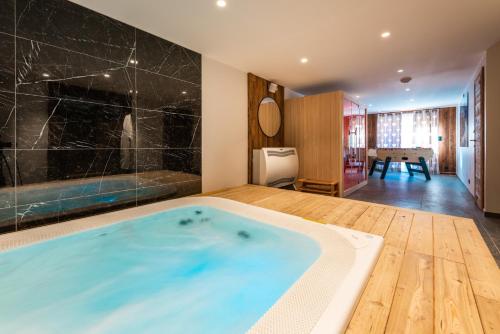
pixel 315 126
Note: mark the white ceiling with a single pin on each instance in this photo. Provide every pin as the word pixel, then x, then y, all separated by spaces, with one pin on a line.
pixel 438 42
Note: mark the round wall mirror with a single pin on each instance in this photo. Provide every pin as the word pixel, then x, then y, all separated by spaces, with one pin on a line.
pixel 269 117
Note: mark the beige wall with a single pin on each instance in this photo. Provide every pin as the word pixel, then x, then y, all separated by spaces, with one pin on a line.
pixel 224 126
pixel 492 130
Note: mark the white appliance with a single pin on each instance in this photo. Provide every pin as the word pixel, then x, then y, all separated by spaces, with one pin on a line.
pixel 275 166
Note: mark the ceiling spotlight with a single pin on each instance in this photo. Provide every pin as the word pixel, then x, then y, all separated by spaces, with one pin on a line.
pixel 407 89
pixel 386 34
pixel 304 60
pixel 132 61
pixel 221 3
pixel 184 92
pixel 106 75
pixel 45 75
pixel 401 70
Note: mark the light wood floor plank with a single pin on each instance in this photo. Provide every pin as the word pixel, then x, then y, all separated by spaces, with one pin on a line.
pixel 383 222
pixel 455 306
pixel 373 308
pixel 316 209
pixel 337 213
pixel 368 219
pixel 398 298
pixel 421 239
pixel 446 244
pixel 350 217
pixel 489 311
pixel 398 232
pixel 412 308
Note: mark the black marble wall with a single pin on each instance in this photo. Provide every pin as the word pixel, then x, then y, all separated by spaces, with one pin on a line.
pixel 94 114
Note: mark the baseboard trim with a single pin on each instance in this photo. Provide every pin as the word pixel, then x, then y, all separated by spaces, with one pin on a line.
pixel 354 188
pixel 492 214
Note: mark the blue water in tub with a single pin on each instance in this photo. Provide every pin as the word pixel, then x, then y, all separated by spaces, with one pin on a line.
pixel 189 270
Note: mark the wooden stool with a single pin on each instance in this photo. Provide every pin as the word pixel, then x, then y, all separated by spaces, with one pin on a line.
pixel 330 188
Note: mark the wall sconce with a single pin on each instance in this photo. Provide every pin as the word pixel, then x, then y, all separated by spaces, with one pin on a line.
pixel 272 87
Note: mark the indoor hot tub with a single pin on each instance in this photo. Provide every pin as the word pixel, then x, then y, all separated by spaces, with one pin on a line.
pixel 190 265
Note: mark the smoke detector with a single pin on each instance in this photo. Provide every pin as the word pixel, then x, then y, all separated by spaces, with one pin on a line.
pixel 405 79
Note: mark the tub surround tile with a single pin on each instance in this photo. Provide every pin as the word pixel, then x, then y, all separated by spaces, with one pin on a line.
pixel 183 131
pixel 50 123
pixel 7 120
pixel 7 220
pixel 40 166
pixel 7 16
pixel 158 129
pixel 158 92
pixel 93 122
pixel 67 25
pixel 178 160
pixel 159 56
pixel 7 76
pixel 45 70
pixel 183 160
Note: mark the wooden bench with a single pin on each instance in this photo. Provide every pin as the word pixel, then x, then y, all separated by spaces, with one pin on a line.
pixel 330 188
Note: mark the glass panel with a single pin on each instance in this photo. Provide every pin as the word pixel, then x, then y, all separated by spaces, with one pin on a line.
pixel 354 144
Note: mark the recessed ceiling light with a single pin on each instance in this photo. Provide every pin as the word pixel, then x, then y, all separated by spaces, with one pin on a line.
pixel 184 92
pixel 304 60
pixel 106 75
pixel 386 34
pixel 45 75
pixel 221 3
pixel 401 70
pixel 407 89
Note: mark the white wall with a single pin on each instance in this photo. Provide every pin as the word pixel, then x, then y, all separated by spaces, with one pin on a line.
pixel 492 130
pixel 224 126
pixel 465 155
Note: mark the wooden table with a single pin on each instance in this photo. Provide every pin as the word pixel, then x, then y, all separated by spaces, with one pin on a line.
pixel 435 273
pixel 410 156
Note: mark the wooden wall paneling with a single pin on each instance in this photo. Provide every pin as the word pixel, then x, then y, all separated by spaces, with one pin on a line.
pixel 258 90
pixel 372 130
pixel 479 139
pixel 447 151
pixel 313 125
pixel 294 128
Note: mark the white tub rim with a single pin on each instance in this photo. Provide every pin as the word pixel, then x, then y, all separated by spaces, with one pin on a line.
pixel 315 290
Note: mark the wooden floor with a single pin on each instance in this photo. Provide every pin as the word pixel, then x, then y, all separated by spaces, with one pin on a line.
pixel 435 273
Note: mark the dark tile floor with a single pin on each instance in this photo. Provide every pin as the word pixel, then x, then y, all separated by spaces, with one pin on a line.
pixel 443 194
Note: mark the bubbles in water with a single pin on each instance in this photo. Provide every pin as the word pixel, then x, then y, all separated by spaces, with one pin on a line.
pixel 185 222
pixel 244 234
